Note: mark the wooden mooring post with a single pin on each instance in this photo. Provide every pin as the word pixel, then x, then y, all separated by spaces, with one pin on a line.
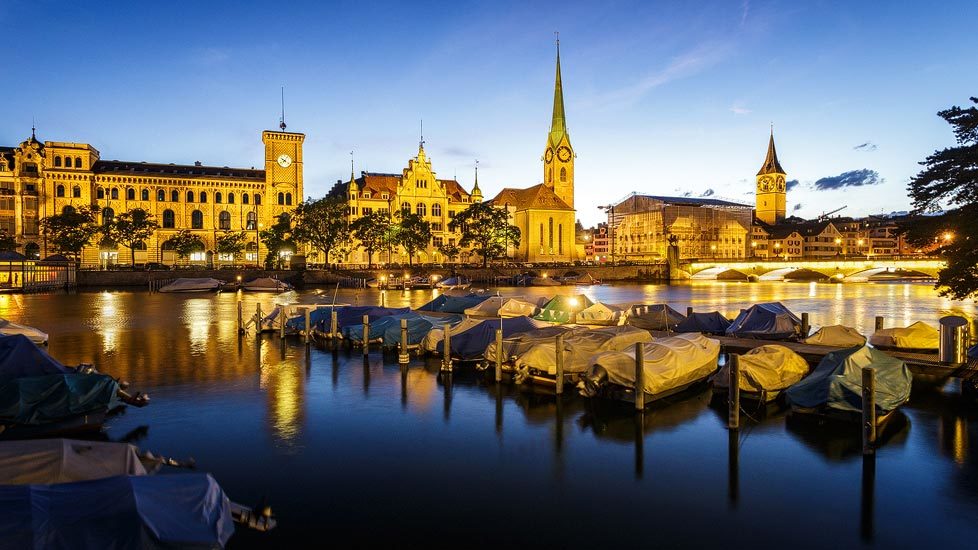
pixel 240 316
pixel 559 378
pixel 499 355
pixel 333 324
pixel 689 310
pixel 366 335
pixel 308 334
pixel 805 325
pixel 446 360
pixel 258 318
pixel 879 322
pixel 869 410
pixel 733 392
pixel 281 325
pixel 403 358
pixel 639 376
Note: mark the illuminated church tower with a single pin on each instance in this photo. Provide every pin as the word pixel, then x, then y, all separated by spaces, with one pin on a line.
pixel 558 157
pixel 771 194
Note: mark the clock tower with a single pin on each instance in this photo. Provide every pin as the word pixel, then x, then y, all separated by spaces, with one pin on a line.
pixel 283 169
pixel 558 156
pixel 771 191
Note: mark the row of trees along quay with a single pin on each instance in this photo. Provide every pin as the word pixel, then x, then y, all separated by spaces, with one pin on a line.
pixel 319 223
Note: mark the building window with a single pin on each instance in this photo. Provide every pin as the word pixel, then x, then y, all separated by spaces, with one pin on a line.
pixel 107 215
pixel 225 257
pixel 367 211
pixel 197 220
pixel 563 174
pixel 436 226
pixel 218 198
pixel 541 238
pixel 100 193
pixel 190 196
pixel 405 208
pixel 451 214
pixel 550 236
pixel 436 210
pixel 230 198
pixel 436 241
pixel 144 194
pixel 281 198
pixel 78 162
pixel 257 199
pixel 366 194
pixel 224 219
pixel 244 198
pixel 57 162
pixel 203 197
pixel 421 209
pixel 76 192
pixel 560 237
pixel 174 196
pixel 130 194
pixel 252 222
pixel 115 193
pixel 288 199
pixel 198 256
pixel 60 192
pixel 384 196
pixel 169 220
pixel 67 162
pixel 160 195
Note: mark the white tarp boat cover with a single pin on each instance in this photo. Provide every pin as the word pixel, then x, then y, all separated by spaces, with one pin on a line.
pixel 670 363
pixel 601 314
pixel 837 381
pixel 188 284
pixel 437 334
pixel 9 329
pixel 266 284
pixel 579 347
pixel 165 511
pixel 45 461
pixel 499 306
pixel 770 368
pixel 518 344
pixel 837 335
pixel 917 336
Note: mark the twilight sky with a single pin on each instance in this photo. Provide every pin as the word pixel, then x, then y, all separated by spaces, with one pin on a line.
pixel 662 97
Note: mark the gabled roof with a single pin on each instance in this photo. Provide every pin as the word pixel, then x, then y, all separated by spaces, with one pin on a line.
pixel 377 183
pixel 806 229
pixel 539 197
pixel 771 164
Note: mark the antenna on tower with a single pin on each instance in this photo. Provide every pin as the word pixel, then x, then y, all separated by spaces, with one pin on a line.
pixel 421 144
pixel 281 121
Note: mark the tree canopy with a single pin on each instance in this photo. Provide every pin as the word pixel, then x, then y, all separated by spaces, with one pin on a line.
pixel 231 242
pixel 7 242
pixel 278 238
pixel 373 231
pixel 322 224
pixel 185 243
pixel 486 229
pixel 131 229
pixel 414 234
pixel 948 188
pixel 71 230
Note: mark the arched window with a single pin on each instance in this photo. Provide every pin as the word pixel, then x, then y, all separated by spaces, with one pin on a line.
pixel 244 198
pixel 230 198
pixel 174 196
pixel 115 193
pixel 60 192
pixel 57 162
pixel 169 220
pixel 76 192
pixel 436 210
pixel 140 246
pixel 100 193
pixel 560 237
pixel 541 238
pixel 107 215
pixel 252 223
pixel 197 220
pixel 550 175
pixel 144 195
pixel 288 199
pixel 160 195
pixel 77 162
pixel 257 199
pixel 563 174
pixel 550 235
pixel 67 162
pixel 405 208
pixel 421 209
pixel 224 220
pixel 281 198
pixel 218 198
pixel 68 209
pixel 190 196
pixel 130 194
pixel 203 197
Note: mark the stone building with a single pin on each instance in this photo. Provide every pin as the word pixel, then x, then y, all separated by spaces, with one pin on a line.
pixel 39 179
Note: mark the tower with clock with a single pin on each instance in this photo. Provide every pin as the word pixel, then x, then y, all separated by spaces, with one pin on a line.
pixel 558 155
pixel 283 169
pixel 771 188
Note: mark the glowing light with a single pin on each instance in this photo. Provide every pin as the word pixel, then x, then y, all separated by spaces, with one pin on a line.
pixel 948 236
pixel 238 278
pixel 574 302
pixel 838 240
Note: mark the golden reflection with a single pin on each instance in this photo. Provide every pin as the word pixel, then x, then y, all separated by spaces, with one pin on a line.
pixel 283 384
pixel 421 389
pixel 109 321
pixel 197 315
pixel 960 441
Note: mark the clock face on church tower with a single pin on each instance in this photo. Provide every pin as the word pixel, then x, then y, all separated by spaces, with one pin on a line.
pixel 549 155
pixel 563 153
pixel 284 160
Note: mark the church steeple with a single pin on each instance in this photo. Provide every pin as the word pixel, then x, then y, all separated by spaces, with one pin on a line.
pixel 771 164
pixel 558 155
pixel 772 192
pixel 476 192
pixel 558 124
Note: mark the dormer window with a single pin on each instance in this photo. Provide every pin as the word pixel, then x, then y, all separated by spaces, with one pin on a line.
pixel 385 196
pixel 366 195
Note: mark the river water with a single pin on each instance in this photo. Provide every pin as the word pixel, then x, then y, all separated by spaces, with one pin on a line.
pixel 354 453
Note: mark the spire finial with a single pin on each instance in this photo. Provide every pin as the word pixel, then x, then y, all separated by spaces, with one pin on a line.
pixel 33 124
pixel 351 166
pixel 476 173
pixel 421 143
pixel 772 128
pixel 281 121
pixel 558 123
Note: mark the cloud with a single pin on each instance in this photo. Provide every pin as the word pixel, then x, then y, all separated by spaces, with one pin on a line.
pixel 745 9
pixel 797 207
pixel 791 184
pixel 707 193
pixel 459 152
pixel 852 178
pixel 687 194
pixel 868 147
pixel 739 109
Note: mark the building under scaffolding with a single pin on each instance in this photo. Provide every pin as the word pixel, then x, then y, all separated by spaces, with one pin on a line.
pixel 643 226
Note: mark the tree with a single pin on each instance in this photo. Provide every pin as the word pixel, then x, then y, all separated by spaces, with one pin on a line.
pixel 450 251
pixel 185 243
pixel 231 242
pixel 278 238
pixel 7 242
pixel 322 223
pixel 486 229
pixel 949 181
pixel 72 230
pixel 131 229
pixel 413 234
pixel 373 232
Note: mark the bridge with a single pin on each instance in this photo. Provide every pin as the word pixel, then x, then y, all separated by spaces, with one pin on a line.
pixel 847 269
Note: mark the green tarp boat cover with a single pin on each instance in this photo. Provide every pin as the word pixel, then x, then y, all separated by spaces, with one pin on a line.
pixel 561 309
pixel 837 381
pixel 37 400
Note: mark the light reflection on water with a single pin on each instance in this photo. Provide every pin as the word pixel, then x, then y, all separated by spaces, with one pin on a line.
pixel 369 453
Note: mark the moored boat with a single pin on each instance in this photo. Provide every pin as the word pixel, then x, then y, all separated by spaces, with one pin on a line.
pixel 191 284
pixel 458 282
pixel 765 372
pixel 8 328
pixel 266 284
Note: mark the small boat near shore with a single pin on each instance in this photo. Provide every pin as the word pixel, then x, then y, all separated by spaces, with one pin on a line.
pixel 266 284
pixel 8 328
pixel 452 283
pixel 765 372
pixel 192 284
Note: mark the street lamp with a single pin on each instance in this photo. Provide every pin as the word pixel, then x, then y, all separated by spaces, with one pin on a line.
pixel 611 228
pixel 777 249
pixel 713 251
pixel 838 243
pixel 753 249
pixel 861 242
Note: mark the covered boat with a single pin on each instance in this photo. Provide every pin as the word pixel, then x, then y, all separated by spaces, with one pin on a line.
pixel 453 304
pixel 55 403
pixel 66 460
pixel 539 362
pixel 418 327
pixel 518 344
pixel 765 372
pixel 654 317
pixel 458 282
pixel 836 335
pixel 499 306
pixel 563 309
pixel 433 339
pixel 544 281
pixel 836 384
pixel 712 322
pixel 917 336
pixel 180 510
pixel 353 315
pixel 601 314
pixel 189 284
pixel 770 321
pixel 266 284
pixel 470 345
pixel 8 328
pixel 671 365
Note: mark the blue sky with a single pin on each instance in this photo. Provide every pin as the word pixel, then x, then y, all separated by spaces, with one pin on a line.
pixel 662 97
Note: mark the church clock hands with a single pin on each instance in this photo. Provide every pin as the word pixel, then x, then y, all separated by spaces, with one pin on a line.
pixel 549 155
pixel 563 153
pixel 284 160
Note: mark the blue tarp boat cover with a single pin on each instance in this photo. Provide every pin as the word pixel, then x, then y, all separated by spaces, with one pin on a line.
pixel 710 323
pixel 43 399
pixel 21 357
pixel 561 309
pixel 164 511
pixel 837 381
pixel 654 317
pixel 319 318
pixel 453 304
pixel 353 315
pixel 418 327
pixel 771 321
pixel 471 344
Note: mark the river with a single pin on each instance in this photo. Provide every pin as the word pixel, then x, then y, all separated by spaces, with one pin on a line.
pixel 354 453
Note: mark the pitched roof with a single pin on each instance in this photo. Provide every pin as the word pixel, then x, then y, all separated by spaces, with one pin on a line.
pixel 175 170
pixel 806 229
pixel 539 196
pixel 558 124
pixel 771 164
pixel 377 183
